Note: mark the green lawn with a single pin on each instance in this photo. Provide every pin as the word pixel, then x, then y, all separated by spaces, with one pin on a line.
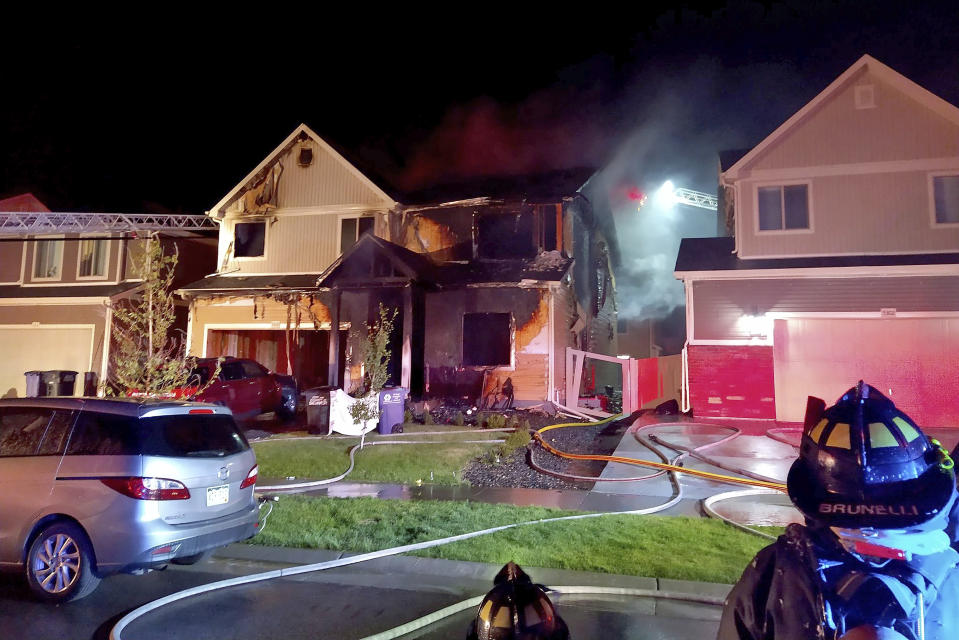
pixel 656 546
pixel 405 463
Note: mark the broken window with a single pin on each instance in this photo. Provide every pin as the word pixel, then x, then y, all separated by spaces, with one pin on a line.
pixel 506 235
pixel 249 239
pixel 352 228
pixel 487 339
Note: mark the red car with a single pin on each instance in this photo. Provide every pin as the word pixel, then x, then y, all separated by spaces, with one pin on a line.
pixel 246 387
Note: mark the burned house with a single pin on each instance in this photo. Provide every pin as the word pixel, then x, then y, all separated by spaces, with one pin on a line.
pixel 491 281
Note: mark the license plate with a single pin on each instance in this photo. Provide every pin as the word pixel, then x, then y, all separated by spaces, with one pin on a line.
pixel 217 495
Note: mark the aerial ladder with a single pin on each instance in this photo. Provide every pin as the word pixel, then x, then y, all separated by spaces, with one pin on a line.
pixel 19 223
pixel 669 195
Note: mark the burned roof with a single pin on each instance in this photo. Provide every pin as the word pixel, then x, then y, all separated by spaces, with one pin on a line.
pixel 716 254
pixel 550 186
pixel 549 266
pixel 228 284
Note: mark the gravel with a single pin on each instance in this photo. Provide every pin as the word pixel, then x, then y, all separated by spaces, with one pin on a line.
pixel 516 471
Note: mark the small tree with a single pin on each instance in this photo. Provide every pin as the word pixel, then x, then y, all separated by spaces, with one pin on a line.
pixel 146 358
pixel 376 360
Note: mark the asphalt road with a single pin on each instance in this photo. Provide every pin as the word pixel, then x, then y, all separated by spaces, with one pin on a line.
pixel 345 603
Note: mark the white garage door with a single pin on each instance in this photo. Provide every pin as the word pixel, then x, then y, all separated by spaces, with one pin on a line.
pixel 914 361
pixel 42 349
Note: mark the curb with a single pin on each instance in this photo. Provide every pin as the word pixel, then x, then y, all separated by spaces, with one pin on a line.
pixel 463 570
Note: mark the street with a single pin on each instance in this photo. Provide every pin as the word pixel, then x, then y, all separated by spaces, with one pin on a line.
pixel 351 602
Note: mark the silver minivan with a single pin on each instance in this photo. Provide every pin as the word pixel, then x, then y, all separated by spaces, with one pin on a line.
pixel 91 487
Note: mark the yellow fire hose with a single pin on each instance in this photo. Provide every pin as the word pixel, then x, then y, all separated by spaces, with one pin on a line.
pixel 538 436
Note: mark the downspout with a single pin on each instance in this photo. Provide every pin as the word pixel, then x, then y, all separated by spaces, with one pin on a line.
pixel 685 404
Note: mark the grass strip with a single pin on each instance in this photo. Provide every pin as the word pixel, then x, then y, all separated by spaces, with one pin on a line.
pixel 654 546
pixel 440 463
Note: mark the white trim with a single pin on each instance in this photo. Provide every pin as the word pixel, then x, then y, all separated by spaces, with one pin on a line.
pixel 882 72
pixel 859 315
pixel 323 210
pixel 266 233
pixel 47 239
pixel 107 339
pixel 280 148
pixel 892 271
pixel 106 260
pixel 92 327
pixel 850 169
pixel 768 342
pixel 809 228
pixel 241 274
pixel 38 302
pixel 339 229
pixel 930 181
pixel 690 323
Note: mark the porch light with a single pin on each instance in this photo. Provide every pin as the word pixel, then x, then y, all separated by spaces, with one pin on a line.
pixel 756 325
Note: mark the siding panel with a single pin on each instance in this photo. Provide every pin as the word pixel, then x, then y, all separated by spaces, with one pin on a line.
pixel 325 182
pixel 719 304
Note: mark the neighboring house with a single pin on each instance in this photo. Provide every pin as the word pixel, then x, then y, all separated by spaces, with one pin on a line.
pixel 54 295
pixel 491 280
pixel 845 260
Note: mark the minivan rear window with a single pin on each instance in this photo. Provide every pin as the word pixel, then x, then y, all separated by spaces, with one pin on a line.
pixel 199 436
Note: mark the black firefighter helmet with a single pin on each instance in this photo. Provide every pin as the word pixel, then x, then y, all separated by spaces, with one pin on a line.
pixel 864 463
pixel 516 609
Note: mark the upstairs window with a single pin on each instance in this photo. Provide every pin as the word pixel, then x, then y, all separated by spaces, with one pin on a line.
pixel 783 208
pixel 48 259
pixel 504 236
pixel 487 340
pixel 249 239
pixel 352 228
pixel 93 258
pixel 945 193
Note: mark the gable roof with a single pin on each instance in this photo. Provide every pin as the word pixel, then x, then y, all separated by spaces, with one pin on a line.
pixel 23 203
pixel 281 148
pixel 886 74
pixel 412 265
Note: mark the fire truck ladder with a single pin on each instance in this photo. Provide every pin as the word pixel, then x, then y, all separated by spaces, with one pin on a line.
pixel 28 223
pixel 695 199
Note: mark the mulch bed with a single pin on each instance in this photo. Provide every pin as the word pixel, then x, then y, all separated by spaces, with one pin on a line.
pixel 516 471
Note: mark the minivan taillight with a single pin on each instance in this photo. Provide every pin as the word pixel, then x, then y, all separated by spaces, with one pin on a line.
pixel 250 477
pixel 148 488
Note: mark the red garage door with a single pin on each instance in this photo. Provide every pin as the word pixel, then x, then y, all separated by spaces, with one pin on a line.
pixel 915 361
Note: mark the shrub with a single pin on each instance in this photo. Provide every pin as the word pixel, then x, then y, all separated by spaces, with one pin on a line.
pixel 407 416
pixel 459 419
pixel 427 417
pixel 496 421
pixel 516 440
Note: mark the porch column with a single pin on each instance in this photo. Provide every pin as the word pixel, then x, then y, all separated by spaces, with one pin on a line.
pixel 407 363
pixel 332 375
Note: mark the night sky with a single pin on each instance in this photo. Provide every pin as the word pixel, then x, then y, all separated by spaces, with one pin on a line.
pixel 170 111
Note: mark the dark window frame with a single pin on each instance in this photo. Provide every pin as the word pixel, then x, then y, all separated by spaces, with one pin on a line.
pixel 478 333
pixel 245 249
pixel 787 216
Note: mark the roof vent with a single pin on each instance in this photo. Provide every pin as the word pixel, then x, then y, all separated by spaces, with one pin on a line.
pixel 305 157
pixel 865 96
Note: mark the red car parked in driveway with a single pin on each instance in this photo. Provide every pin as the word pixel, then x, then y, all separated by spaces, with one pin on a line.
pixel 246 387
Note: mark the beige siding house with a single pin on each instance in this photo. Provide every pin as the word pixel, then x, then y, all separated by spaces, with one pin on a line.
pixel 481 277
pixel 844 263
pixel 55 292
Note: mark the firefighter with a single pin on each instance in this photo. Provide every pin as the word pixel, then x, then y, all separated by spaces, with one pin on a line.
pixel 516 609
pixel 876 557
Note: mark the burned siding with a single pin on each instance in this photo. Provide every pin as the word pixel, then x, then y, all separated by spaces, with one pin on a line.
pixel 446 376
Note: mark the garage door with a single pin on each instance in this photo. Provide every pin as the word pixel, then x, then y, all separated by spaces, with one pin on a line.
pixel 915 361
pixel 41 349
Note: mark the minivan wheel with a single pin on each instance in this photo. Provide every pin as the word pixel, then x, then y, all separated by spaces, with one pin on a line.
pixel 59 564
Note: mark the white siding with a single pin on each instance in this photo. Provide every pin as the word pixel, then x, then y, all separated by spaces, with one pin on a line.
pixel 327 181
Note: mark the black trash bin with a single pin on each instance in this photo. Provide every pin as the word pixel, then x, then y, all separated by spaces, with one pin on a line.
pixel 318 410
pixel 34 388
pixel 58 382
pixel 392 406
pixel 90 381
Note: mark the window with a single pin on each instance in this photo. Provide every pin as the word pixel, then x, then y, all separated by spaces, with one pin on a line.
pixel 945 192
pixel 621 325
pixel 249 239
pixel 48 259
pixel 783 207
pixel 21 430
pixel 102 434
pixel 506 235
pixel 93 258
pixel 487 339
pixel 351 229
